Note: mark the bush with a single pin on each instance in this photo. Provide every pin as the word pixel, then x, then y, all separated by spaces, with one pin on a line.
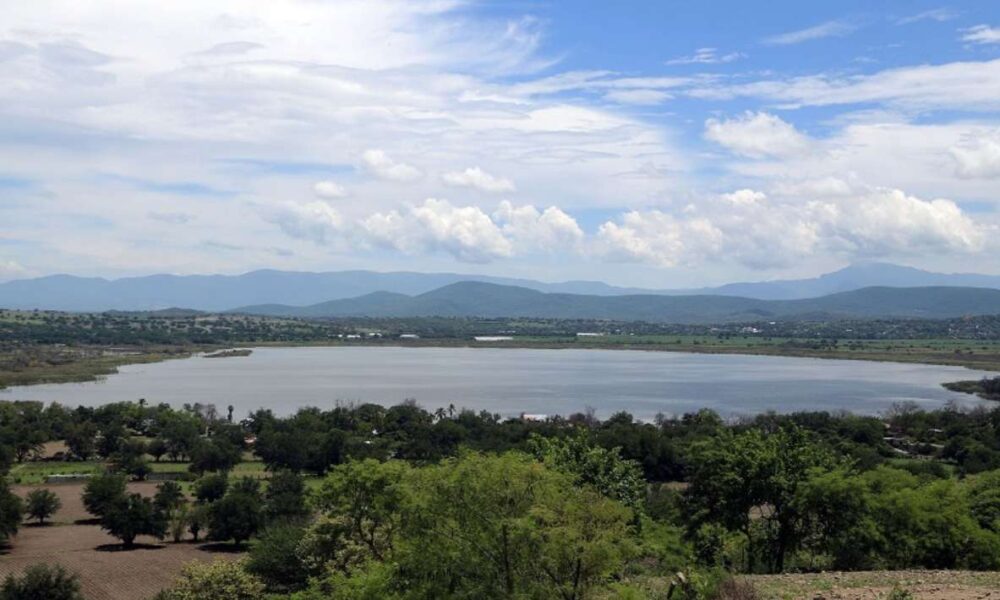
pixel 219 580
pixel 42 582
pixel 42 504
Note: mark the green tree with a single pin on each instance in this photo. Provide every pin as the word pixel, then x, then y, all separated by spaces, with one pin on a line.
pixel 274 557
pixel 156 448
pixel 735 475
pixel 42 582
pixel 133 516
pixel 169 496
pixel 285 498
pixel 80 439
pixel 367 495
pixel 237 516
pixel 211 487
pixel 505 527
pixel 42 504
pixel 217 454
pixel 11 511
pixel 102 491
pixel 603 469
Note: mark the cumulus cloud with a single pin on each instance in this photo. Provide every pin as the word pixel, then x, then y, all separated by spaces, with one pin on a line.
pixel 756 135
pixel 465 232
pixel 329 190
pixel 383 167
pixel 982 34
pixel 474 177
pixel 978 156
pixel 549 230
pixel 748 228
pixel 315 221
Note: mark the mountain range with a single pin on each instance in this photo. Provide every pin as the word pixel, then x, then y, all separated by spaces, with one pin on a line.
pixel 478 299
pixel 385 290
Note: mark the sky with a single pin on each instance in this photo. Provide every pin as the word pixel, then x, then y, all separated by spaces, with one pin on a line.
pixel 654 144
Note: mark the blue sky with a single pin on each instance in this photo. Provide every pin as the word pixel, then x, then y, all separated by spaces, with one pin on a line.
pixel 662 144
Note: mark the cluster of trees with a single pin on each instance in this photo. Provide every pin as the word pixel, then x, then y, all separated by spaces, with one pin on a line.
pixel 227 511
pixel 455 504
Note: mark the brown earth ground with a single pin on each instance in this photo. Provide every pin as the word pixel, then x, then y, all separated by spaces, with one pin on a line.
pixel 107 572
pixel 875 585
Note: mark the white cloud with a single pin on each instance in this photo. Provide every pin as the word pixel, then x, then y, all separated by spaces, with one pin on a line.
pixel 756 134
pixel 823 30
pixel 465 232
pixel 978 155
pixel 10 269
pixel 548 230
pixel 747 228
pixel 982 34
pixel 706 56
pixel 639 97
pixel 935 14
pixel 315 221
pixel 474 177
pixel 973 86
pixel 329 190
pixel 379 163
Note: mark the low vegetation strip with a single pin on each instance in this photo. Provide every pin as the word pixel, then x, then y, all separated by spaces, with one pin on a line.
pixel 864 585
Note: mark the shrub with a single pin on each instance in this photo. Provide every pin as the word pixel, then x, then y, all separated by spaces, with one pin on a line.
pixel 210 488
pixel 219 580
pixel 42 582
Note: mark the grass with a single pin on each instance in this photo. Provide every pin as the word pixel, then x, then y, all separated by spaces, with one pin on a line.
pixel 35 472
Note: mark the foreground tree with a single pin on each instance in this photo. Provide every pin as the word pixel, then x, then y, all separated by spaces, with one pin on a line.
pixel 42 504
pixel 134 516
pixel 735 475
pixel 42 582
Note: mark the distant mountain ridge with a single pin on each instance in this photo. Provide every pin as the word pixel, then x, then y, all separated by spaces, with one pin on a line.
pixel 292 288
pixel 478 299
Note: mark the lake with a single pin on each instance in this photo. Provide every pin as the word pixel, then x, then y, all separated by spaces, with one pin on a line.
pixel 516 380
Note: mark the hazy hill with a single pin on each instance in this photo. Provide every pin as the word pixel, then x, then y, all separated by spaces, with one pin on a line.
pixel 477 299
pixel 852 278
pixel 222 292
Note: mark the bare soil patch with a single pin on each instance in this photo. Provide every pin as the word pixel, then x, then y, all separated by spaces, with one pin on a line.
pixel 107 571
pixel 70 494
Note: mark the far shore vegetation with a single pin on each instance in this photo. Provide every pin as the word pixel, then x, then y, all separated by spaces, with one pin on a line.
pixel 56 347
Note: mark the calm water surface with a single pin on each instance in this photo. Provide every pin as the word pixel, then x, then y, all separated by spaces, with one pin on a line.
pixel 512 381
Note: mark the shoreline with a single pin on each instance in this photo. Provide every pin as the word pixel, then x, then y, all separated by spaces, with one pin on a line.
pixel 97 367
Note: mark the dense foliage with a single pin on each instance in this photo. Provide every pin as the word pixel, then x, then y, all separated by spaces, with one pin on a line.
pixel 456 504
